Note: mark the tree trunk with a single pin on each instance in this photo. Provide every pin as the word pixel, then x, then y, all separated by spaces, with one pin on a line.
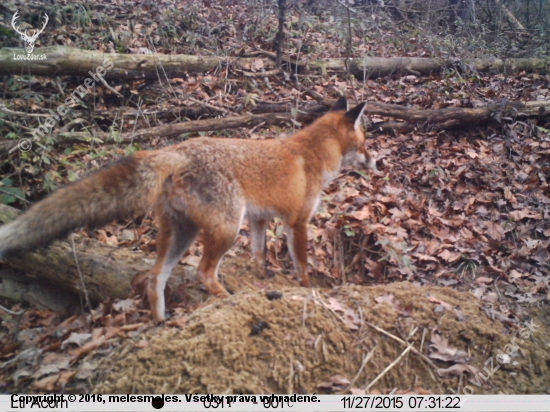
pixel 85 63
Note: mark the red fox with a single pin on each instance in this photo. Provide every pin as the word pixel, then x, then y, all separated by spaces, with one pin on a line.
pixel 206 185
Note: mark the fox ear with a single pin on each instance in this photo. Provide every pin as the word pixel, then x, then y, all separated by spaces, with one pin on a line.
pixel 355 114
pixel 341 104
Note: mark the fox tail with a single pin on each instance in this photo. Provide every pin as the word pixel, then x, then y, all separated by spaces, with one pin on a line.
pixel 117 191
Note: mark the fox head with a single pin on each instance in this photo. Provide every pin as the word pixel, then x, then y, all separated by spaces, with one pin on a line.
pixel 351 136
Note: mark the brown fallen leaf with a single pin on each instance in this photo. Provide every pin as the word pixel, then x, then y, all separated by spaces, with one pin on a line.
pixel 494 230
pixel 78 339
pixel 517 215
pixel 361 214
pixel 47 384
pixel 52 363
pixel 73 323
pixel 387 298
pixel 131 327
pixel 65 377
pixel 433 299
pixel 87 348
pixel 494 269
pixel 112 331
pixel 85 370
pixel 350 317
pixel 449 256
pixel 443 351
pixel 422 256
pixel 491 297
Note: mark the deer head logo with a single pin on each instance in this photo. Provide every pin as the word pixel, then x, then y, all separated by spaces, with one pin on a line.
pixel 29 40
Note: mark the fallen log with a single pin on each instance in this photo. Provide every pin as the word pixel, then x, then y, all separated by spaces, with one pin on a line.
pixel 415 118
pixel 447 118
pixel 452 117
pixel 93 269
pixel 60 60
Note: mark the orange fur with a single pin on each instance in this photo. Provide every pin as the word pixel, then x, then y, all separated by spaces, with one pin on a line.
pixel 205 185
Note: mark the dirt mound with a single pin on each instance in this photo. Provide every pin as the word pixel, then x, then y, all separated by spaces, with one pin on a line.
pixel 324 341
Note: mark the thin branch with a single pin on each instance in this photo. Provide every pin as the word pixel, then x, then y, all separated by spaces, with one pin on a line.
pixel 11 312
pixel 363 364
pixel 211 106
pixel 84 289
pixel 4 109
pixel 428 360
pixel 109 87
pixel 391 365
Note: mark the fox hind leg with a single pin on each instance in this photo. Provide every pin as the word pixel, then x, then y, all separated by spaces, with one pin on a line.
pixel 218 236
pixel 258 243
pixel 176 234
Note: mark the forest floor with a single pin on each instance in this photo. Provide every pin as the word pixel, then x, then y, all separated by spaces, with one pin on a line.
pixel 446 249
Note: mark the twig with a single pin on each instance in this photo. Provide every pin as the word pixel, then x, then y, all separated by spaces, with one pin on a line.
pixel 211 106
pixel 68 126
pixel 291 376
pixel 403 343
pixel 59 86
pixel 304 314
pixel 109 87
pixel 138 112
pixel 256 128
pixel 11 312
pixel 500 297
pixel 86 297
pixel 14 195
pixel 363 364
pixel 17 125
pixel 424 330
pixel 4 109
pixel 391 365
